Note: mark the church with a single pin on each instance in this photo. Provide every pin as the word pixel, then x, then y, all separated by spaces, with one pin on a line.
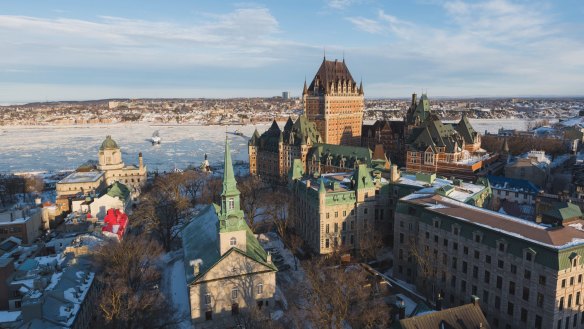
pixel 227 270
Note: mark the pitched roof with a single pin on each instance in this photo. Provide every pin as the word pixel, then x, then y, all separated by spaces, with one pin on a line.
pixel 330 72
pixel 465 129
pixel 352 155
pixel 199 238
pixel 564 210
pixel 119 190
pixel 420 112
pixel 500 182
pixel 461 317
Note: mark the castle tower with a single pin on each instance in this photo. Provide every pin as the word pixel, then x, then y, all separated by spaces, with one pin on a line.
pixel 335 103
pixel 232 226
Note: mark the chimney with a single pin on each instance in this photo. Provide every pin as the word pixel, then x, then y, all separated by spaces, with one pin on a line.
pixel 140 161
pixel 414 99
pixel 394 173
pixel 269 258
pixel 475 300
pixel 196 264
pixel 12 216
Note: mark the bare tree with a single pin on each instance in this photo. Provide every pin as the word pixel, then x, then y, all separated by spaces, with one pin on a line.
pixel 129 276
pixel 162 209
pixel 192 184
pixel 211 192
pixel 370 242
pixel 252 191
pixel 338 295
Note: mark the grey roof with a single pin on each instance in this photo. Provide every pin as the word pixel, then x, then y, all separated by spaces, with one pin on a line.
pixel 199 238
pixel 461 317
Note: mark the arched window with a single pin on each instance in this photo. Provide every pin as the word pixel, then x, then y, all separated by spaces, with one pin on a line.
pixel 233 242
pixel 231 204
pixel 260 288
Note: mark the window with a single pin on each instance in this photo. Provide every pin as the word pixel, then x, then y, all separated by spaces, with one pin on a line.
pixel 463 285
pixel 561 305
pixel 207 299
pixel 563 283
pixel 427 235
pixel 526 293
pixel 327 227
pixel 326 243
pixel 523 315
pixel 527 274
pixel 569 300
pixel 488 259
pixel 513 269
pixel 475 272
pixel 208 315
pixel 234 292
pixel 542 280
pixel 336 214
pixel 464 267
pixel 344 227
pixel 260 288
pixel 454 260
pixel 578 298
pixel 435 238
pixel 498 302
pixel 477 254
pixel 538 322
pixel 501 264
pixel 233 242
pixel 465 250
pixel 539 299
pixel 336 227
pixel 455 245
pixel 511 287
pixel 445 242
pixel 401 238
pixel 487 276
pixel 231 204
pixel 510 308
pixel 499 282
pixel 572 281
pixel 580 278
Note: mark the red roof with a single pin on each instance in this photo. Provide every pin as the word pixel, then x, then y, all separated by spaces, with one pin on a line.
pixel 115 222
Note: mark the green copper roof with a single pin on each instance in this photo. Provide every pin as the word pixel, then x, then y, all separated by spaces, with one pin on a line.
pixel 119 190
pixel 351 155
pixel 321 188
pixel 564 210
pixel 362 177
pixel 465 129
pixel 229 182
pixel 296 171
pixel 108 143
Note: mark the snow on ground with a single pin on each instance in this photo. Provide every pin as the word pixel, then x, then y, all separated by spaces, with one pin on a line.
pixel 174 285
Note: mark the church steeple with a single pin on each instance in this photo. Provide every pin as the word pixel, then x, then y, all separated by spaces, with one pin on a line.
pixel 232 225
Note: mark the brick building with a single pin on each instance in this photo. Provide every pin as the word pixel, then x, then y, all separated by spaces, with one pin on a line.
pixel 335 103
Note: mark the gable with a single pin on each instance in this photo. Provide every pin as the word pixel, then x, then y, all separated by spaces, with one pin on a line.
pixel 234 263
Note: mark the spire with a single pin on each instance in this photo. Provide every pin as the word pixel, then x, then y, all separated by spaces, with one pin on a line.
pixel 361 86
pixel 229 182
pixel 321 188
pixel 505 147
pixel 305 90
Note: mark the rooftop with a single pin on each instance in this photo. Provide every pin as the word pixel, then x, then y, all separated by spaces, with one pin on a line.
pixel 461 317
pixel 457 189
pixel 557 238
pixel 82 177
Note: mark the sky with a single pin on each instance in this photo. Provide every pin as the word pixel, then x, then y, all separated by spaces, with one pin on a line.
pixel 81 50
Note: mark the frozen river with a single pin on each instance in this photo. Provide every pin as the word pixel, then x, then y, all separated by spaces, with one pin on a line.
pixel 55 148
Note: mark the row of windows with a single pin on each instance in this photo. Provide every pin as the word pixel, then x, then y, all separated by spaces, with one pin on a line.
pixel 234 293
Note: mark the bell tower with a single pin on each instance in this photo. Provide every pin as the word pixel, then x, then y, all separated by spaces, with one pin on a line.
pixel 232 226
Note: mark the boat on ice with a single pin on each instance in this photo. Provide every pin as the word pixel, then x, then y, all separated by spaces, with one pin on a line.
pixel 156 138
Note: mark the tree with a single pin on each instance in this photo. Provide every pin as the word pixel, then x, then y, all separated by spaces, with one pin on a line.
pixel 163 208
pixel 338 295
pixel 370 242
pixel 252 191
pixel 192 184
pixel 129 276
pixel 212 191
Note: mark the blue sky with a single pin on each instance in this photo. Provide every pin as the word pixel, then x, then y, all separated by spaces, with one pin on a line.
pixel 76 50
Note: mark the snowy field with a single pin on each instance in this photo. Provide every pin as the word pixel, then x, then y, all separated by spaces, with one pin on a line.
pixel 55 148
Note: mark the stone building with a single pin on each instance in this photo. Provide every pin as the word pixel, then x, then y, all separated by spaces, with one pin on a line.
pixel 389 134
pixel 271 153
pixel 226 268
pixel 445 149
pixel 92 179
pixel 335 103
pixel 527 275
pixel 25 224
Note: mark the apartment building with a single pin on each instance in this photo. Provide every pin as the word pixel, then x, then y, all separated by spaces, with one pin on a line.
pixel 527 275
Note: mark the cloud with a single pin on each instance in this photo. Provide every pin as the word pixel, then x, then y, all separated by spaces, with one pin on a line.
pixel 340 4
pixel 244 37
pixel 366 24
pixel 492 46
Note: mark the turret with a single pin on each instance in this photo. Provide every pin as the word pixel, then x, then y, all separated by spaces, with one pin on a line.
pixel 140 161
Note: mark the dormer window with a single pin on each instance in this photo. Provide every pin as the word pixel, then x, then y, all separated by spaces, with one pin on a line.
pixel 501 245
pixel 574 259
pixel 456 229
pixel 477 236
pixel 231 204
pixel 233 242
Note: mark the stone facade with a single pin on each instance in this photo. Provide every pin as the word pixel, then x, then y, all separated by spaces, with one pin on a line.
pixel 527 275
pixel 227 269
